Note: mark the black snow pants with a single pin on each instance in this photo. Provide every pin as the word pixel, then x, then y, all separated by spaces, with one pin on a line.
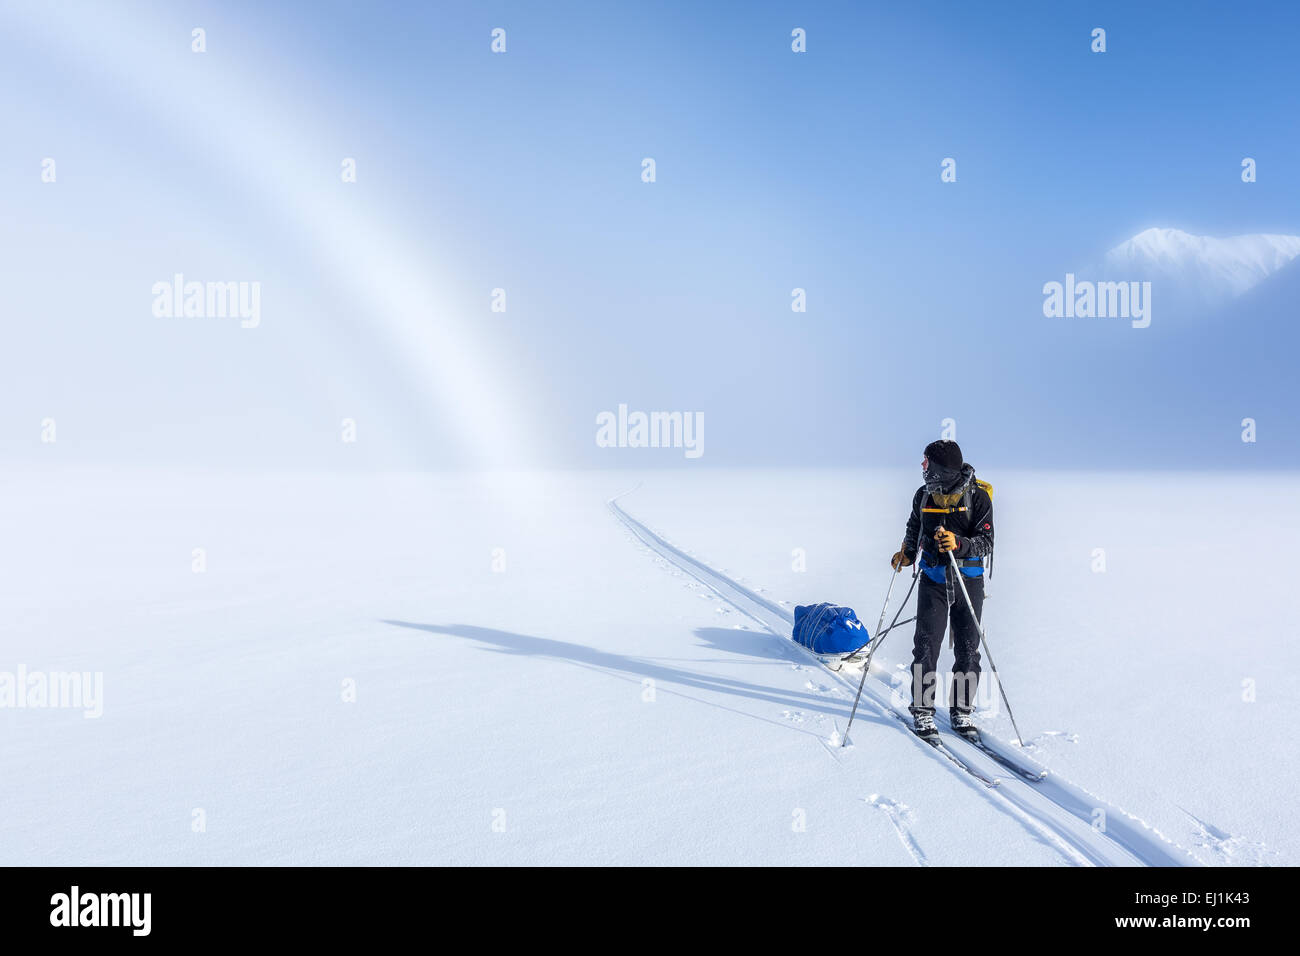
pixel 933 602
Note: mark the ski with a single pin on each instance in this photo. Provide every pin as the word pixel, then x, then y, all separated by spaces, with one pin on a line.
pixel 938 745
pixel 1033 776
pixel 837 665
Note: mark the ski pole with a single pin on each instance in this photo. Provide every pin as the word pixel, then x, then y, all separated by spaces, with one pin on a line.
pixel 880 638
pixel 979 625
pixel 885 607
pixel 880 635
pixel 906 620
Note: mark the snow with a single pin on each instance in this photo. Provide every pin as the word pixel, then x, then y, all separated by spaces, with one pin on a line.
pixel 593 702
pixel 1204 265
pixel 1129 682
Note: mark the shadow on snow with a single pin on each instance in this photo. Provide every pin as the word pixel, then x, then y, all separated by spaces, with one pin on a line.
pixel 666 676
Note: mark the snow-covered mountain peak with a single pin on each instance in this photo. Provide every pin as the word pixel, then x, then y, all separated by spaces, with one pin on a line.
pixel 1216 267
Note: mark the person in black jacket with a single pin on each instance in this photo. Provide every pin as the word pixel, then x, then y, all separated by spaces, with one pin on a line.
pixel 951 513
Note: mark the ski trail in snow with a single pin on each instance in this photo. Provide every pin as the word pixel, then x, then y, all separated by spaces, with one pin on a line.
pixel 1085 829
pixel 1227 849
pixel 1047 735
pixel 900 815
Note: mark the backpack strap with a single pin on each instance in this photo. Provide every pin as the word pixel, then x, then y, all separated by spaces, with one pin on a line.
pixel 966 500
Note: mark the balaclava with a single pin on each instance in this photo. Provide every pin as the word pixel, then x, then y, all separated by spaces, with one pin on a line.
pixel 943 471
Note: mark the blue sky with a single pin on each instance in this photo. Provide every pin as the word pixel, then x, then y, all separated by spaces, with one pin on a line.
pixel 522 171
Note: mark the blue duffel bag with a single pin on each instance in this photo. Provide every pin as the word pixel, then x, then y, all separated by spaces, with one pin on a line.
pixel 829 629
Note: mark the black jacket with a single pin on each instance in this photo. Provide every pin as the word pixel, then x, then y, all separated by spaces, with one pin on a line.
pixel 971 520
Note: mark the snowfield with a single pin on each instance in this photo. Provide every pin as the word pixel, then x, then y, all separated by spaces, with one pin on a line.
pixel 461 669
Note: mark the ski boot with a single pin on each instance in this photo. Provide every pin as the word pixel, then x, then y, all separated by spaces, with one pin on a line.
pixel 963 725
pixel 924 727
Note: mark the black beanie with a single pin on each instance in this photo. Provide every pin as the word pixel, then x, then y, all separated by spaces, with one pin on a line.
pixel 945 453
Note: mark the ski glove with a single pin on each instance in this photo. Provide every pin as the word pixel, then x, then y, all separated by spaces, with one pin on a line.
pixel 946 539
pixel 900 560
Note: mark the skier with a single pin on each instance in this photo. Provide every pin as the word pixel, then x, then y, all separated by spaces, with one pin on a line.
pixel 951 513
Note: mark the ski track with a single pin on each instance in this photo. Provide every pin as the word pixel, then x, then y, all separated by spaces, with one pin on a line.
pixel 1225 847
pixel 900 815
pixel 1086 830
